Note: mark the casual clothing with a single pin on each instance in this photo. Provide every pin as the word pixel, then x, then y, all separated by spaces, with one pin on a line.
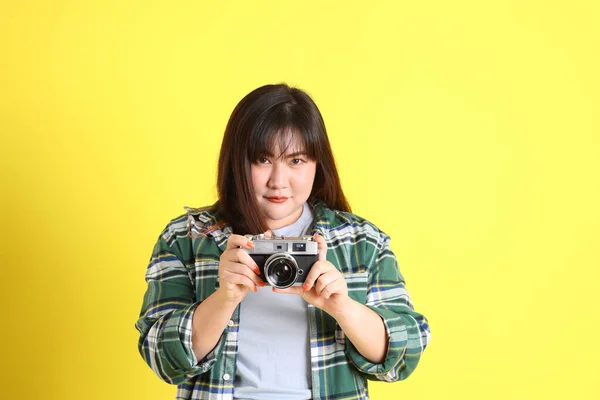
pixel 183 271
pixel 273 357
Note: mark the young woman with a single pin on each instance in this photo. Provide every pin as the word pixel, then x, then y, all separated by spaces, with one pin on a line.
pixel 208 322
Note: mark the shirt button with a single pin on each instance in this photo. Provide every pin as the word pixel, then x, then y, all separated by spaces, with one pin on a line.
pixel 226 377
pixel 230 323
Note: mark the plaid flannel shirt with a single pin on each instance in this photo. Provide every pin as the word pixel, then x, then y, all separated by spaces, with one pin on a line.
pixel 183 271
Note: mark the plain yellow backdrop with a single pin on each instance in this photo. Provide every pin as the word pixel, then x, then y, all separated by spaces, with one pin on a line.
pixel 467 130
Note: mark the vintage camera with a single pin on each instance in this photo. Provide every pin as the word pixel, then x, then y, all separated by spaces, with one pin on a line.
pixel 283 261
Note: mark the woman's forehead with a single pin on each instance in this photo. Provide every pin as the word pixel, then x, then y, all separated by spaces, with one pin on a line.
pixel 286 143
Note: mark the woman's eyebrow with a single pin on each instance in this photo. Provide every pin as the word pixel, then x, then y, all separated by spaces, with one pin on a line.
pixel 269 154
pixel 296 154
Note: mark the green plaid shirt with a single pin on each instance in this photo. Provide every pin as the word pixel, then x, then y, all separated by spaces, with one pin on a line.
pixel 183 271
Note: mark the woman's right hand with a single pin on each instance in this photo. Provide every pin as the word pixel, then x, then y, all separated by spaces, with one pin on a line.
pixel 238 273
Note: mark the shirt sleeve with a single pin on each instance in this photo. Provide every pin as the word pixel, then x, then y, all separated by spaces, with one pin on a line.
pixel 165 322
pixel 408 331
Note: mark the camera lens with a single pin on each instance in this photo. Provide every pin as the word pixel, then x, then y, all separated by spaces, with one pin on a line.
pixel 281 270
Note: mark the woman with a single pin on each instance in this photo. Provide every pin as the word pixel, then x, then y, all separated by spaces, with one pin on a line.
pixel 208 322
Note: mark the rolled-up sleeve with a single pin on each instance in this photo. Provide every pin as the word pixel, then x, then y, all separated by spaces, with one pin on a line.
pixel 407 331
pixel 165 322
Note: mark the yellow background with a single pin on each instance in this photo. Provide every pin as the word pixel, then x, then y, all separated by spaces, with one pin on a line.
pixel 467 130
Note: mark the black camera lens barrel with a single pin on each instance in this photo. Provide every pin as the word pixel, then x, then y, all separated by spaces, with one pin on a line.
pixel 281 270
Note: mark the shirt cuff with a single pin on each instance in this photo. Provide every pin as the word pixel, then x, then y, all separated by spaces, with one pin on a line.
pixel 396 347
pixel 180 339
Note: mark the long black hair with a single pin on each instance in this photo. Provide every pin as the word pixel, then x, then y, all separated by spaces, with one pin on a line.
pixel 262 117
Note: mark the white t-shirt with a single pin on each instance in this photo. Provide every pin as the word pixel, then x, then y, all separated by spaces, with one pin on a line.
pixel 273 360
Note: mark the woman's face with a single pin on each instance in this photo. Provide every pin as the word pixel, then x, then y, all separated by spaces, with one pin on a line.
pixel 282 183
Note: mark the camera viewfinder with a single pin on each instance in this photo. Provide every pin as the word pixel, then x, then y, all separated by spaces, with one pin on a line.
pixel 280 246
pixel 299 246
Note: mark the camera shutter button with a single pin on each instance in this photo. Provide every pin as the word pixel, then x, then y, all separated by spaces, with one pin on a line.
pixel 226 377
pixel 230 323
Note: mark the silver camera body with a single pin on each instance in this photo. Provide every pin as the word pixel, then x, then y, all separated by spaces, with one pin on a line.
pixel 283 261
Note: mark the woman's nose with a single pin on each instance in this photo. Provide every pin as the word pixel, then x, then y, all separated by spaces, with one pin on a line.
pixel 278 178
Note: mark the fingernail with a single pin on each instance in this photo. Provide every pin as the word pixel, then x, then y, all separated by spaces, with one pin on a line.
pixel 261 283
pixel 257 271
pixel 305 287
pixel 250 244
pixel 273 288
pixel 255 289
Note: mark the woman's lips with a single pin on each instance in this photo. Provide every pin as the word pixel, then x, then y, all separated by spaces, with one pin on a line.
pixel 277 199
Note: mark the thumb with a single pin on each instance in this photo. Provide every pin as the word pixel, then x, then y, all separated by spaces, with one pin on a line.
pixel 321 246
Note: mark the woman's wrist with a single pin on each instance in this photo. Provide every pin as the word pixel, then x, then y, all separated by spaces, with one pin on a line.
pixel 225 302
pixel 344 311
pixel 365 329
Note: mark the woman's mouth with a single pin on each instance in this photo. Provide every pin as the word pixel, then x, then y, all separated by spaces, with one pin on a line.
pixel 277 199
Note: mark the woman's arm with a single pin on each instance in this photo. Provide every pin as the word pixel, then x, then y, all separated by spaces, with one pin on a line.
pixel 165 318
pixel 208 323
pixel 386 336
pixel 407 331
pixel 238 274
pixel 365 329
pixel 325 287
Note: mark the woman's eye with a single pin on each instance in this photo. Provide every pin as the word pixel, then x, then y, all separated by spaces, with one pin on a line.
pixel 297 161
pixel 263 160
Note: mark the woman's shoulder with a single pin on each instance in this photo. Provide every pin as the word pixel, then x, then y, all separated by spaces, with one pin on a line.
pixel 195 221
pixel 351 235
pixel 347 223
pixel 203 215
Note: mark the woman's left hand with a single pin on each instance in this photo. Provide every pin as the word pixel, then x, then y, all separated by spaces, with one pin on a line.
pixel 324 286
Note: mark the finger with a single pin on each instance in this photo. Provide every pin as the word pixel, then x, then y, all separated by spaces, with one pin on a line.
pixel 336 287
pixel 268 234
pixel 326 279
pixel 243 269
pixel 310 297
pixel 318 268
pixel 237 241
pixel 290 290
pixel 241 256
pixel 239 279
pixel 321 246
